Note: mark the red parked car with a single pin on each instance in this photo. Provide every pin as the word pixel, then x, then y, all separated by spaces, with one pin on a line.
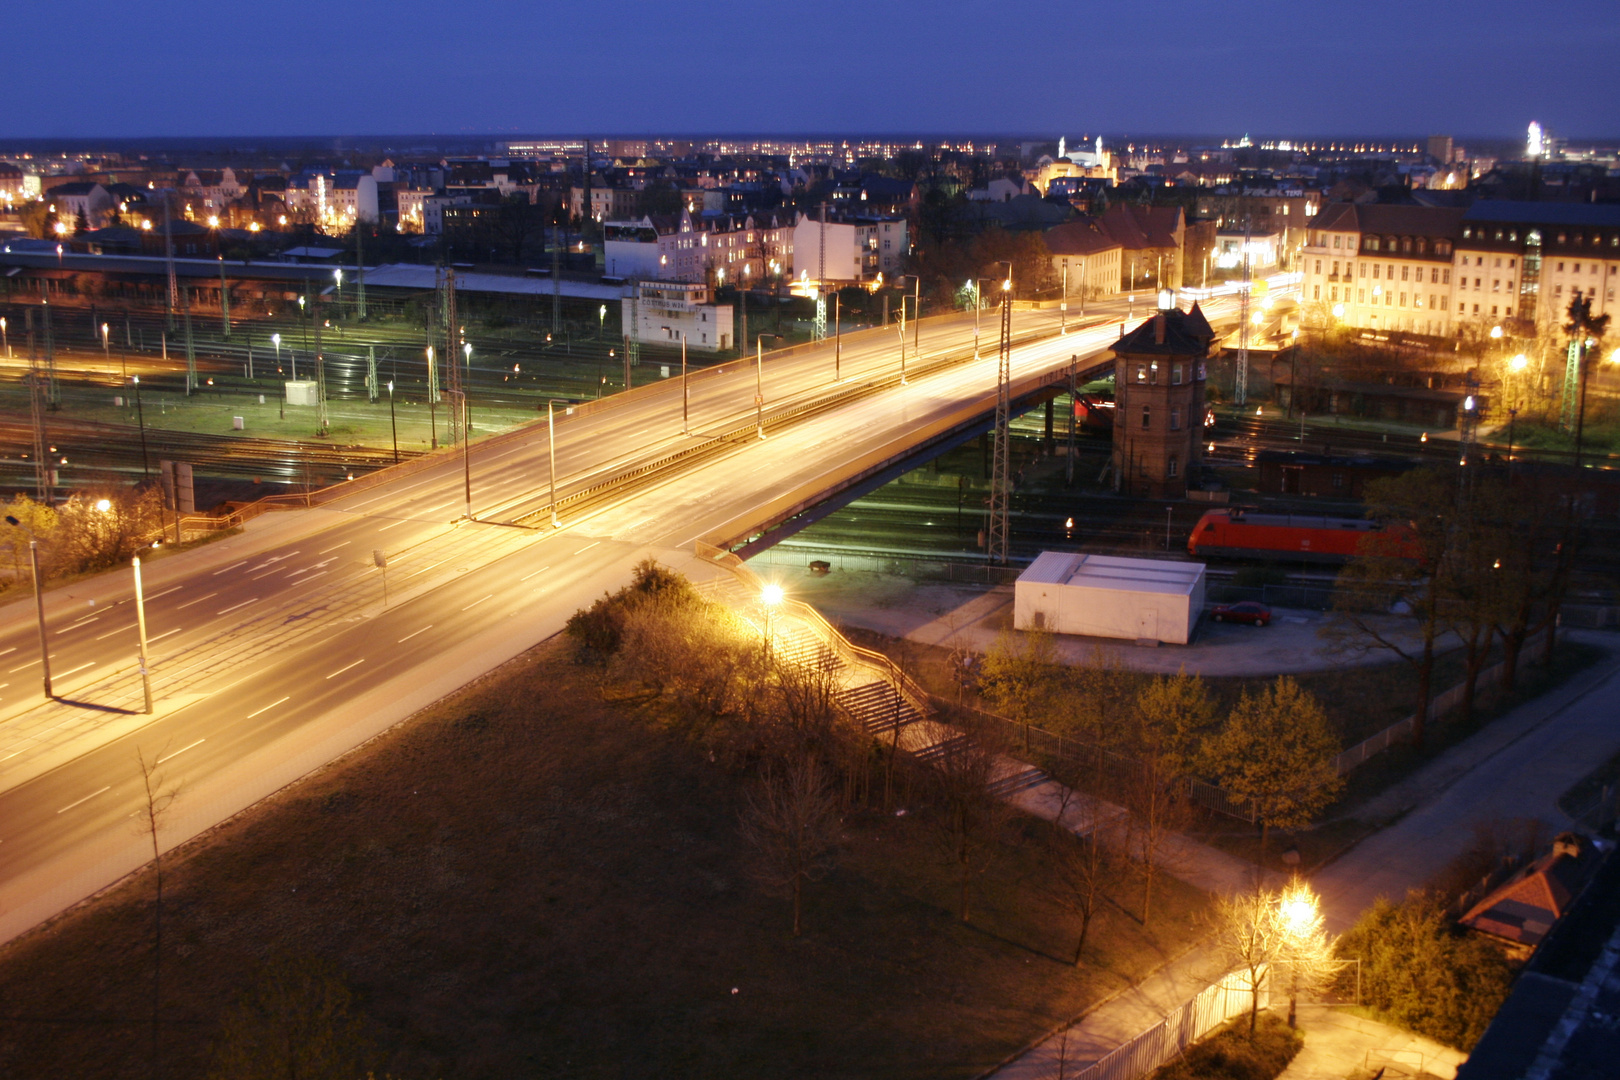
pixel 1246 611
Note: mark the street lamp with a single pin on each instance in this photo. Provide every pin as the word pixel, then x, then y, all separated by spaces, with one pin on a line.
pixel 601 321
pixel 275 339
pixel 551 453
pixel 1300 916
pixel 39 600
pixel 140 622
pixel 770 596
pixel 393 425
pixel 5 338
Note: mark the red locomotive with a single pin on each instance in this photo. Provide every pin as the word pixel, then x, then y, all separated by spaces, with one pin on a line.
pixel 1249 534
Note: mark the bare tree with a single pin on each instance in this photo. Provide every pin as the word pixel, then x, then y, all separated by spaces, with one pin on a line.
pixel 790 819
pixel 1174 714
pixel 157 799
pixel 1082 862
pixel 966 815
pixel 1247 938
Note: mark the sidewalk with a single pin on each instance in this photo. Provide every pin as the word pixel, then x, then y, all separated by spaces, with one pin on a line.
pixel 1514 769
pixel 1339 1044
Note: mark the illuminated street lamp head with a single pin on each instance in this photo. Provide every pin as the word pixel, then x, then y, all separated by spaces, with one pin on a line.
pixel 1299 910
pixel 1167 299
pixel 771 595
pixel 337 274
pixel 104 332
pixel 1496 333
pixel 467 349
pixel 104 505
pixel 1338 311
pixel 275 339
pixel 1519 363
pixel 213 221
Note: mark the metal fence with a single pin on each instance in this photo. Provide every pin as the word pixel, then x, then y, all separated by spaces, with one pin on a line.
pixel 1442 703
pixel 1214 1006
pixel 1111 771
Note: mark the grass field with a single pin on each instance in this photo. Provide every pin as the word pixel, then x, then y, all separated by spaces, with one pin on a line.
pixel 526 881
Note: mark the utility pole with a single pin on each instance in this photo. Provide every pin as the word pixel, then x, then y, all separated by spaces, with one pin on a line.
pixel 191 352
pixel 360 274
pixel 321 423
pixel 168 259
pixel 52 395
pixel 140 621
pixel 1068 466
pixel 36 408
pixel 1240 377
pixel 556 280
pixel 371 373
pixel 451 348
pixel 821 277
pixel 996 535
pixel 838 340
pixel 686 393
pixel 224 297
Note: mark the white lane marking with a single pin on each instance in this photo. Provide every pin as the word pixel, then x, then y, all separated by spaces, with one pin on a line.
pixel 70 671
pixel 345 543
pixel 309 579
pixel 180 751
pixel 165 634
pixel 341 670
pixel 273 560
pixel 216 573
pixel 542 570
pixel 199 600
pixel 233 607
pixel 14 670
pixel 86 799
pixel 475 603
pixel 120 630
pixel 413 633
pixel 426 568
pixel 395 525
pixel 165 592
pixel 81 622
pixel 3 652
pixel 268 707
pixel 587 547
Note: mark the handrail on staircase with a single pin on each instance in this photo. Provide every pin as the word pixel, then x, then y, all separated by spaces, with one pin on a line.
pixel 829 635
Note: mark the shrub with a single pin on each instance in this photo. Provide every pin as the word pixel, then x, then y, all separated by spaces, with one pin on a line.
pixel 1230 1054
pixel 1420 971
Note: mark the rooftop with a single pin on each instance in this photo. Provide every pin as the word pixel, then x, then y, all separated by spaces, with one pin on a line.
pixel 1114 572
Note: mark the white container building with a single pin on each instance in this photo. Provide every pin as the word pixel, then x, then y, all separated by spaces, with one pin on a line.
pixel 1108 596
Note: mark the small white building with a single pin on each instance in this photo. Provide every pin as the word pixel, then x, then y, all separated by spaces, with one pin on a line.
pixel 667 311
pixel 1109 596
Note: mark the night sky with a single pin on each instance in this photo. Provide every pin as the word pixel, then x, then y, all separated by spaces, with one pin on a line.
pixel 1408 67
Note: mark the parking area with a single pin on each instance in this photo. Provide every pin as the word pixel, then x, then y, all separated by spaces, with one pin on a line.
pixel 948 615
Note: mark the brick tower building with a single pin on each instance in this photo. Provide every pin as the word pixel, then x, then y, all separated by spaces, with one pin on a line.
pixel 1159 402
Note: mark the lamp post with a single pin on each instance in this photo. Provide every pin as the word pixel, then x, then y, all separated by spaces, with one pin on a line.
pixel 393 425
pixel 686 394
pixel 601 321
pixel 39 600
pixel 140 622
pixel 275 339
pixel 459 399
pixel 838 339
pixel 1063 302
pixel 759 381
pixel 551 454
pixel 5 338
pixel 106 351
pixel 770 596
pixel 1301 919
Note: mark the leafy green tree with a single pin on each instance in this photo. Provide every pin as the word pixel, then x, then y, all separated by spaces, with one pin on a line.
pixel 1420 971
pixel 1173 715
pixel 1017 674
pixel 1276 750
pixel 34 521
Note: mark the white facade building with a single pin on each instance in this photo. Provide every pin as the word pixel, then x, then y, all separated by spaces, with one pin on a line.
pixel 1106 596
pixel 668 311
pixel 858 248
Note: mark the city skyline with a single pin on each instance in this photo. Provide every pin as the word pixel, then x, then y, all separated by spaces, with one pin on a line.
pixel 863 70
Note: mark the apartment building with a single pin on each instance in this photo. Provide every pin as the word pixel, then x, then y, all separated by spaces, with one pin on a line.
pixel 718 250
pixel 857 248
pixel 1381 267
pixel 1526 261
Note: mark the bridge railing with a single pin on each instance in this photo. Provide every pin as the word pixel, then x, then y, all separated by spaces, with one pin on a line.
pixel 846 650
